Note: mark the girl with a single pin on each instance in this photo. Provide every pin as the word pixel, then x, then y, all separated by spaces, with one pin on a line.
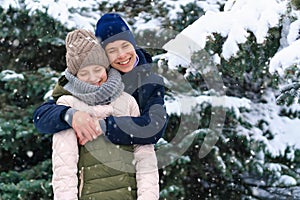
pixel 106 169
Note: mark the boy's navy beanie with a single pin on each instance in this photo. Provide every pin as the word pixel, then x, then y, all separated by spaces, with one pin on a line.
pixel 111 27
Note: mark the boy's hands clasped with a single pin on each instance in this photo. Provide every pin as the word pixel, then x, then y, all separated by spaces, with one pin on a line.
pixel 86 127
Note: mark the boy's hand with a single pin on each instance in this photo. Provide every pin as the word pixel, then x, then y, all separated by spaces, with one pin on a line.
pixel 85 127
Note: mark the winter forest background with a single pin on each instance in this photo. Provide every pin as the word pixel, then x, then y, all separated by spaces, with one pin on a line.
pixel 231 70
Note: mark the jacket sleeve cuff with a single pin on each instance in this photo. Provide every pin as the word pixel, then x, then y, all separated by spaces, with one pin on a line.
pixel 69 116
pixel 102 125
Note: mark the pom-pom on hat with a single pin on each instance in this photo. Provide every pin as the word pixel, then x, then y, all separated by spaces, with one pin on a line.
pixel 111 27
pixel 83 49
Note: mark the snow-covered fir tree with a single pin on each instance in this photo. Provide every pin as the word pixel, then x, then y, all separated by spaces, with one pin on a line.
pixel 231 70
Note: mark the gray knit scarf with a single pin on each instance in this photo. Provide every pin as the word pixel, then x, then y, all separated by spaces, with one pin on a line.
pixel 96 95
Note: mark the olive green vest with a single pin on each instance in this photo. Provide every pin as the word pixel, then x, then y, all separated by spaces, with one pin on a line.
pixel 107 171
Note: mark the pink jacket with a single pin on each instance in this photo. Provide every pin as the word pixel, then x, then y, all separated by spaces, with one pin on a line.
pixel 65 151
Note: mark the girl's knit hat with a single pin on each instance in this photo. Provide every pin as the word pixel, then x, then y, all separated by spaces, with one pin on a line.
pixel 111 27
pixel 83 49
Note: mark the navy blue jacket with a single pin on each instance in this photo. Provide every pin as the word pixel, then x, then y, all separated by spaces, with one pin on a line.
pixel 148 90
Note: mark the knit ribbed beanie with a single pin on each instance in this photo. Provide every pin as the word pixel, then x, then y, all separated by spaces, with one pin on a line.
pixel 83 49
pixel 111 27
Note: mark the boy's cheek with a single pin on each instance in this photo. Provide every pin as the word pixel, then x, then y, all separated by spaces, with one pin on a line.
pixel 111 59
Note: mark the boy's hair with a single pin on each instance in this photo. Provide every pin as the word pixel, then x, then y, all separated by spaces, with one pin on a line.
pixel 111 27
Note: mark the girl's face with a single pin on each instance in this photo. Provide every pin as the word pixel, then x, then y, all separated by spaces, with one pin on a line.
pixel 92 74
pixel 121 55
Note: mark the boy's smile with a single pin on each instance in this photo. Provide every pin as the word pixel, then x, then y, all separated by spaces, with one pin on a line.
pixel 121 55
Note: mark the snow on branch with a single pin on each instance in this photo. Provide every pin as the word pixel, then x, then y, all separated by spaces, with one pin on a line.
pixel 285 58
pixel 74 13
pixel 234 23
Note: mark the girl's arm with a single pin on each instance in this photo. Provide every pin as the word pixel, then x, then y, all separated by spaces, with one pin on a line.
pixel 147 177
pixel 98 111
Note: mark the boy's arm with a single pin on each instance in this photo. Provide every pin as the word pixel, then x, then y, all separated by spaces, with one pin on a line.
pixel 81 108
pixel 48 118
pixel 145 129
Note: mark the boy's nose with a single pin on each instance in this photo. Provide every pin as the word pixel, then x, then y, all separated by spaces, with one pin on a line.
pixel 121 53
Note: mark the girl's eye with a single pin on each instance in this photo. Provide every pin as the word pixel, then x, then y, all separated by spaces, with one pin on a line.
pixel 82 74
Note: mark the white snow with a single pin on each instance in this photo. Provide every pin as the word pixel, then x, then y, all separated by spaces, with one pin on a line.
pixel 233 23
pixel 141 24
pixel 285 58
pixel 7 75
pixel 175 6
pixel 61 10
pixel 187 103
pixel 286 180
pixel 210 5
pixel 285 130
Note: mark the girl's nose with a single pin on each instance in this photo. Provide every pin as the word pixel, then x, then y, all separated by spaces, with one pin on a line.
pixel 93 78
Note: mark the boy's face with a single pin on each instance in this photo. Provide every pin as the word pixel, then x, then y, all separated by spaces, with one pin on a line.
pixel 121 55
pixel 92 74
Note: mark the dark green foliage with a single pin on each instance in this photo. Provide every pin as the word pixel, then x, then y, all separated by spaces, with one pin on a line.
pixel 216 176
pixel 25 166
pixel 230 171
pixel 296 3
pixel 290 93
pixel 246 74
pixel 29 42
pixel 18 135
pixel 33 183
pixel 190 13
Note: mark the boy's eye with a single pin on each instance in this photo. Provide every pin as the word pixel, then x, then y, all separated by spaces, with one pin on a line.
pixel 111 51
pixel 126 45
